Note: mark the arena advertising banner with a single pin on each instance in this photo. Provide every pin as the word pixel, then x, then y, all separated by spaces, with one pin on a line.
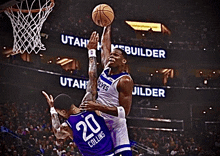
pixel 130 50
pixel 138 90
pixel 144 91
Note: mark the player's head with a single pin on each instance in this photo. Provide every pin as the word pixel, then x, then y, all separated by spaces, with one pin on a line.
pixel 123 53
pixel 63 103
pixel 118 57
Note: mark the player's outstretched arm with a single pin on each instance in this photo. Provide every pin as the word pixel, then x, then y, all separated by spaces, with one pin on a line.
pixel 92 106
pixel 106 45
pixel 61 131
pixel 91 89
pixel 92 84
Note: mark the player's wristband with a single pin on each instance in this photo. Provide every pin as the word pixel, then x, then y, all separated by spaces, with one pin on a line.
pixel 53 111
pixel 92 53
pixel 121 112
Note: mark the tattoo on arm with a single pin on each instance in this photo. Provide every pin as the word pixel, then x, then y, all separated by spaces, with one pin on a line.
pixel 92 84
pixel 60 131
pixel 55 121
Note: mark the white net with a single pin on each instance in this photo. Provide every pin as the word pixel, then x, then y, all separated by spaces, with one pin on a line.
pixel 27 22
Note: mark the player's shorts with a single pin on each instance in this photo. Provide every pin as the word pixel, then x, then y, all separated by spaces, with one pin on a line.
pixel 119 133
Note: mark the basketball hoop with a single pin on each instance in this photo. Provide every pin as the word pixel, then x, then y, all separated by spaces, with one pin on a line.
pixel 27 19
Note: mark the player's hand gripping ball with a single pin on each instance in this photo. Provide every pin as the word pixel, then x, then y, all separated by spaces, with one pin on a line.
pixel 103 15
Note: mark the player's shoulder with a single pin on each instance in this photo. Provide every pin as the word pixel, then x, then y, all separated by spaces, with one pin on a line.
pixel 126 79
pixel 125 83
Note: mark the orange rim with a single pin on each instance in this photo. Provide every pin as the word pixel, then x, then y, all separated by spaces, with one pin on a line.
pixel 33 10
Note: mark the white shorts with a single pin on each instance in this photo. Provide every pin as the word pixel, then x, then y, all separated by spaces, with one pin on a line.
pixel 119 132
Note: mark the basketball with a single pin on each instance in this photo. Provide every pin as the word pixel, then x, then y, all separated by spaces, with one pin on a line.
pixel 103 15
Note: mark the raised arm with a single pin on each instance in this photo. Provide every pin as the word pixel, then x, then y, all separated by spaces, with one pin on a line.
pixel 61 131
pixel 106 45
pixel 91 89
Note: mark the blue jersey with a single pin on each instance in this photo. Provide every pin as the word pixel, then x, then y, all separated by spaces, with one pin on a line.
pixel 90 134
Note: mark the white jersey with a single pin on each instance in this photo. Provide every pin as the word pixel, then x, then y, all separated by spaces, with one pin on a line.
pixel 109 96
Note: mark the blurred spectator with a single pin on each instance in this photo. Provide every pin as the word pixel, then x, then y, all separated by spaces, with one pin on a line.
pixel 34 128
pixel 174 151
pixel 171 143
pixel 31 123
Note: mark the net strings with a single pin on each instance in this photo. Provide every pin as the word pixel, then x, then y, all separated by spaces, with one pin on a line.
pixel 27 26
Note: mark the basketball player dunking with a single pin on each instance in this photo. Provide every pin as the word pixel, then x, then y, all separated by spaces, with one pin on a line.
pixel 85 128
pixel 114 88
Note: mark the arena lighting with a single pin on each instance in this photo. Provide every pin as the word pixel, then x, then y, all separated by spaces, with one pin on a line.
pixel 162 129
pixel 145 26
pixel 62 60
pixel 153 119
pixel 143 108
pixel 66 62
pixel 44 35
pixel 166 74
pixel 167 71
pixel 48 72
pixel 148 26
pixel 49 61
pixel 159 129
pixel 9 52
pixel 212 122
